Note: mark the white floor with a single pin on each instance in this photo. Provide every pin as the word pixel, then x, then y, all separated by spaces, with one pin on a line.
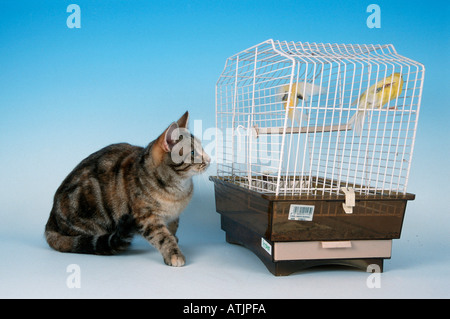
pixel 419 267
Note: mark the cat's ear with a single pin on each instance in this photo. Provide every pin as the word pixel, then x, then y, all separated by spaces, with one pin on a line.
pixel 183 121
pixel 169 139
pixel 164 143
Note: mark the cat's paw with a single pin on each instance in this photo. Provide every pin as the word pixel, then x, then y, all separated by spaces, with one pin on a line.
pixel 176 260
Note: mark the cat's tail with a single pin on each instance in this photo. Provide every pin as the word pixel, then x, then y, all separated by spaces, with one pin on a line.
pixel 105 244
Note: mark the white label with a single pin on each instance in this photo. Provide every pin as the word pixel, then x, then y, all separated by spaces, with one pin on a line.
pixel 266 246
pixel 301 212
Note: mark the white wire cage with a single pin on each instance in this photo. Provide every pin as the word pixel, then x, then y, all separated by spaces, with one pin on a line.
pixel 309 118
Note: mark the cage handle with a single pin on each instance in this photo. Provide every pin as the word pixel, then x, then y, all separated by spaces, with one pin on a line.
pixel 349 199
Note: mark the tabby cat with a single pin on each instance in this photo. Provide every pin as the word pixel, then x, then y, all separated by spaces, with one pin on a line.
pixel 122 190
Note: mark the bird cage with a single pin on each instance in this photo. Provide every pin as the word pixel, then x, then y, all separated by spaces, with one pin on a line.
pixel 307 118
pixel 312 121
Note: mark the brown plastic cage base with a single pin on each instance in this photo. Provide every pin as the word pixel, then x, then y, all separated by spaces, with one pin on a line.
pixel 239 235
pixel 374 217
pixel 261 220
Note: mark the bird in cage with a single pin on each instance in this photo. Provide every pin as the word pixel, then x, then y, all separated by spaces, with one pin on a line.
pixel 299 91
pixel 376 97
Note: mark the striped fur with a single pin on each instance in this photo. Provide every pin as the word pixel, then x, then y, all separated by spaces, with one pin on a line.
pixel 122 190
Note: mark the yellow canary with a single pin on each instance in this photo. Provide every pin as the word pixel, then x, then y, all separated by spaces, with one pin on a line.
pixel 302 91
pixel 375 97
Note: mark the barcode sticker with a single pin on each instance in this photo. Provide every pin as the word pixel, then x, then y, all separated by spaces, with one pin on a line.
pixel 301 212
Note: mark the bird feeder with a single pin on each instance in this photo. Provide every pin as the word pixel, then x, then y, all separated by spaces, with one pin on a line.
pixel 315 151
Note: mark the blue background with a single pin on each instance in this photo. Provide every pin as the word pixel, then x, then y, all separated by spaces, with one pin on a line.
pixel 135 66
